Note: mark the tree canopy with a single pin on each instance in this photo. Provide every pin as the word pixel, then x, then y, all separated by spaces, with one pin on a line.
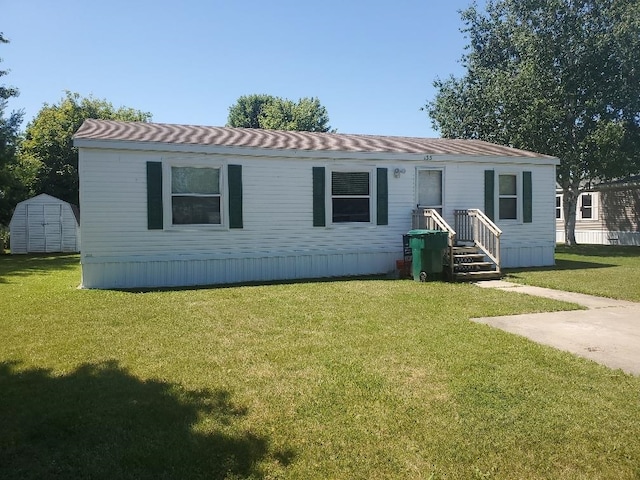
pixel 560 77
pixel 275 113
pixel 10 186
pixel 47 150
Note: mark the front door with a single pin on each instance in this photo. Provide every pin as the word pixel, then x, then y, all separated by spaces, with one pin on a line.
pixel 430 189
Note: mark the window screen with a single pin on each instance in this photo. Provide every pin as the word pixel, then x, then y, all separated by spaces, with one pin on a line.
pixel 195 196
pixel 508 197
pixel 350 197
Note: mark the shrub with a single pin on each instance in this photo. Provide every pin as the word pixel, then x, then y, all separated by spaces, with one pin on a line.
pixel 4 239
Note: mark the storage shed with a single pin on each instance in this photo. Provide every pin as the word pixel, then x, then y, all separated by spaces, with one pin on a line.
pixel 45 224
pixel 176 205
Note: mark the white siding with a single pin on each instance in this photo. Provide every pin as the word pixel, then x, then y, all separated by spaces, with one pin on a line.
pixel 278 240
pixel 533 244
pixel 277 200
pixel 44 224
pixel 18 229
pixel 522 244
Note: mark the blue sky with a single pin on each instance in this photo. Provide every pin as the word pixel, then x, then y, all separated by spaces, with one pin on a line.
pixel 371 63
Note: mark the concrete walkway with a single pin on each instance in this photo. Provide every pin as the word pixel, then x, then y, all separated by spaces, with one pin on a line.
pixel 608 332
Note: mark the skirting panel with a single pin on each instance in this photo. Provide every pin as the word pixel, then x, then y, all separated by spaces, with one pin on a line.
pixel 517 256
pixel 177 272
pixel 602 237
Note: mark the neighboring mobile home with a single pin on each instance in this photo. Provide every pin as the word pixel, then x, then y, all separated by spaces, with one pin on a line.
pixel 606 214
pixel 176 205
pixel 45 224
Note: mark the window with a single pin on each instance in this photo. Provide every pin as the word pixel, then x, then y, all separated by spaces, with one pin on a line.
pixel 558 207
pixel 586 206
pixel 507 197
pixel 350 197
pixel 512 197
pixel 195 196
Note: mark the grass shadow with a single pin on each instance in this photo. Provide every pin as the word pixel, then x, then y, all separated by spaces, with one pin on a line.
pixel 258 283
pixel 25 265
pixel 560 265
pixel 600 250
pixel 99 421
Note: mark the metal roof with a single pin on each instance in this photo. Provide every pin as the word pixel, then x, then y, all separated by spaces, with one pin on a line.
pixel 110 130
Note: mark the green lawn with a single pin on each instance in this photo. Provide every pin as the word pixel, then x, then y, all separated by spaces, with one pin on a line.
pixel 357 379
pixel 606 271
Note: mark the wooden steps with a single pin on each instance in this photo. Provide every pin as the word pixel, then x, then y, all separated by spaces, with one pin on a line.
pixel 470 264
pixel 475 276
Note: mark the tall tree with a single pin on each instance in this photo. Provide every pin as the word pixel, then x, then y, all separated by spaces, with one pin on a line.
pixel 10 186
pixel 560 77
pixel 247 110
pixel 275 113
pixel 48 146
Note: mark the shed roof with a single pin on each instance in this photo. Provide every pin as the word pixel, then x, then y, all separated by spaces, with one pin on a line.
pixel 110 130
pixel 46 198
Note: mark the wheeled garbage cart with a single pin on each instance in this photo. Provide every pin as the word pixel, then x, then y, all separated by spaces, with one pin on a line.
pixel 427 248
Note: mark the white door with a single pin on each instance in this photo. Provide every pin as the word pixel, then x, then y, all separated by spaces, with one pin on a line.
pixel 53 228
pixel 35 228
pixel 429 189
pixel 44 228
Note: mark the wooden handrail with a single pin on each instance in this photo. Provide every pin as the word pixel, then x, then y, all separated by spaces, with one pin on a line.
pixel 474 226
pixel 433 221
pixel 486 220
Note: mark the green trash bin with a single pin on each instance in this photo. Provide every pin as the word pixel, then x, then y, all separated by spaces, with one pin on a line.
pixel 427 251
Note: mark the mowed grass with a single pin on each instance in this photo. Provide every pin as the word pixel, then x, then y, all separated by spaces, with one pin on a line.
pixel 354 379
pixel 606 271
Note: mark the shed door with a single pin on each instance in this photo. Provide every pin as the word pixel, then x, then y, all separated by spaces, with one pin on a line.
pixel 44 228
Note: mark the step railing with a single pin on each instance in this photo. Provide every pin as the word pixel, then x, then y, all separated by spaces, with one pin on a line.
pixel 472 225
pixel 430 219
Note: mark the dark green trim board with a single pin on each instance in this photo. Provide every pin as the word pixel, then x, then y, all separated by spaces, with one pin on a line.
pixel 234 174
pixel 527 198
pixel 489 194
pixel 319 216
pixel 382 194
pixel 154 196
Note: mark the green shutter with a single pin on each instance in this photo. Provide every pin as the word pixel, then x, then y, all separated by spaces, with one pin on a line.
pixel 383 196
pixel 489 194
pixel 527 198
pixel 234 173
pixel 154 196
pixel 319 217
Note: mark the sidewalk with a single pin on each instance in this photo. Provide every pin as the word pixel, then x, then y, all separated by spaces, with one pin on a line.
pixel 608 332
